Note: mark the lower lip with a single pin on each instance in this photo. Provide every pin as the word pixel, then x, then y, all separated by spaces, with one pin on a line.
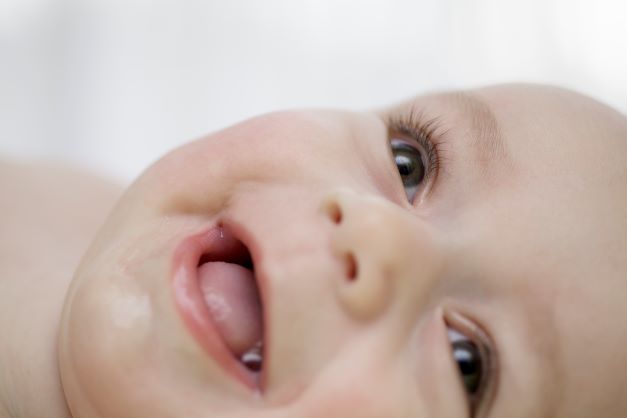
pixel 191 305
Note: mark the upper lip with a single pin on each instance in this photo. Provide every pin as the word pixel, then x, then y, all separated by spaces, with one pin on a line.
pixel 190 303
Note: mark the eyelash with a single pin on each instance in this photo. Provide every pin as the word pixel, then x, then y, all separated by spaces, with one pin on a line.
pixel 429 136
pixel 426 133
pixel 475 333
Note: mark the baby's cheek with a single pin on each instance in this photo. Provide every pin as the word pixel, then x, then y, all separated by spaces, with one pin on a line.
pixel 373 379
pixel 438 381
pixel 195 178
pixel 180 184
pixel 103 346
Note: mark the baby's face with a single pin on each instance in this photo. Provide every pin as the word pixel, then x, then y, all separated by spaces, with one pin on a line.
pixel 461 254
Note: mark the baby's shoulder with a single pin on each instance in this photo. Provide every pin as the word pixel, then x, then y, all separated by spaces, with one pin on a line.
pixel 49 207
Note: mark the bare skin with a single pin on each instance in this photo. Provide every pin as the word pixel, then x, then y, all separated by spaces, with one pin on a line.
pixel 516 243
pixel 49 215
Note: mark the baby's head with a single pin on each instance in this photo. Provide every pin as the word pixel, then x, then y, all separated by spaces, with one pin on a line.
pixel 461 254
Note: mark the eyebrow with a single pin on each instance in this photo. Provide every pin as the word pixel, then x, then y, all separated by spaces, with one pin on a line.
pixel 486 138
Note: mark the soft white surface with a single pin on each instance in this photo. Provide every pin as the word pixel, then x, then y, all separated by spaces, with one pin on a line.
pixel 113 84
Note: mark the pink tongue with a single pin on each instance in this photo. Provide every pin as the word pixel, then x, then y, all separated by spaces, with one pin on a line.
pixel 231 294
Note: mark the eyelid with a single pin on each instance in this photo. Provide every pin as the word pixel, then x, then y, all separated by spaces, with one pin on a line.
pixel 474 332
pixel 412 126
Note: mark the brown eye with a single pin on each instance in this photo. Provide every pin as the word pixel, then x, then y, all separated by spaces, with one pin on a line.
pixel 410 166
pixel 470 364
pixel 473 364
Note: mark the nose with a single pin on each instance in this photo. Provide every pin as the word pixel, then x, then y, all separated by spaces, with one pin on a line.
pixel 389 253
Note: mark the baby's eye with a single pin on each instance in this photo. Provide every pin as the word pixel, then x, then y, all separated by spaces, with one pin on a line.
pixel 469 361
pixel 410 164
pixel 473 365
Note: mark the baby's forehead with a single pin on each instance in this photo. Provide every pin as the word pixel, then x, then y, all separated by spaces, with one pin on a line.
pixel 540 100
pixel 533 121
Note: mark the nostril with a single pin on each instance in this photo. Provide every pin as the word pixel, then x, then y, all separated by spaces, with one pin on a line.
pixel 351 267
pixel 334 212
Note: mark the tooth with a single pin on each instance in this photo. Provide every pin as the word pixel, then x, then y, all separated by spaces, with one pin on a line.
pixel 253 358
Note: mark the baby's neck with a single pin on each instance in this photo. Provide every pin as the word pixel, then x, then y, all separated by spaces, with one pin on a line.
pixel 47 218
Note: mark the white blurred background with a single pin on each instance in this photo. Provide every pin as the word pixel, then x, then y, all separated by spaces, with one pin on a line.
pixel 113 84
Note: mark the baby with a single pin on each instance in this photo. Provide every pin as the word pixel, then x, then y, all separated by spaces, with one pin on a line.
pixel 462 254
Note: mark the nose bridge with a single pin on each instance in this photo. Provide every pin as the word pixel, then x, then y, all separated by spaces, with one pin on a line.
pixel 390 254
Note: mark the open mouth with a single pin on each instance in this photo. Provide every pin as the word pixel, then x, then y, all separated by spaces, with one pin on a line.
pixel 227 281
pixel 217 294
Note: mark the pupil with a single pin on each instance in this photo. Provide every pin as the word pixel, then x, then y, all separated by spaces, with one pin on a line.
pixel 409 164
pixel 405 165
pixel 469 362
